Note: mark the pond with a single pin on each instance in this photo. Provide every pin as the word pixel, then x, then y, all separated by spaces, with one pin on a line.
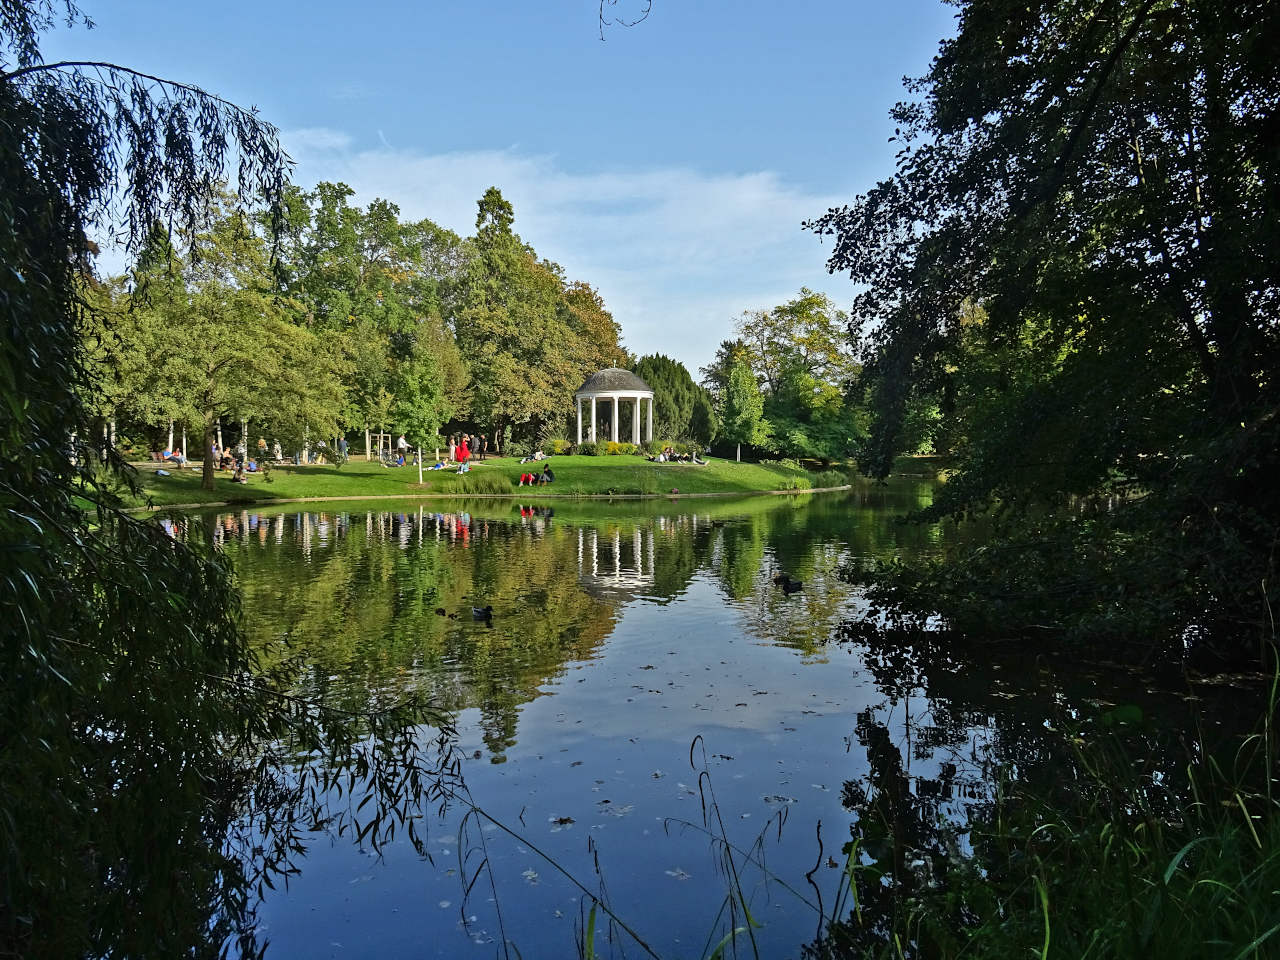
pixel 643 691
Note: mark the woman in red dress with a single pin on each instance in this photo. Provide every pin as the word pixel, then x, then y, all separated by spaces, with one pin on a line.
pixel 464 453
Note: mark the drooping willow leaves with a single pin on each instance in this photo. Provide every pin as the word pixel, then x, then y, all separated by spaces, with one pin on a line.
pixel 153 780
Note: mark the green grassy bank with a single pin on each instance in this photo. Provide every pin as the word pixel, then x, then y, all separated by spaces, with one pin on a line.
pixel 575 477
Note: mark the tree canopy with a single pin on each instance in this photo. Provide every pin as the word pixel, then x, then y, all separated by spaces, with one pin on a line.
pixel 1076 261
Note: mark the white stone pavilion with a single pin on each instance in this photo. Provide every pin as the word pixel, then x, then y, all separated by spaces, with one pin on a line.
pixel 617 387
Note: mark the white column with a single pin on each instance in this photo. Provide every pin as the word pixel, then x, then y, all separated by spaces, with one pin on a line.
pixel 650 419
pixel 170 446
pixel 577 409
pixel 635 420
pixel 615 419
pixel 593 419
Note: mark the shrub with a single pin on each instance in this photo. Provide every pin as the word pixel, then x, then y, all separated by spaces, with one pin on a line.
pixel 653 447
pixel 829 478
pixel 559 445
pixel 483 482
pixel 613 449
pixel 783 464
pixel 588 448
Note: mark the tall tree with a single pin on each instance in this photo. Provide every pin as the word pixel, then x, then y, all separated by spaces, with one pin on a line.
pixel 1101 180
pixel 228 347
pixel 528 338
pixel 715 375
pixel 674 393
pixel 742 409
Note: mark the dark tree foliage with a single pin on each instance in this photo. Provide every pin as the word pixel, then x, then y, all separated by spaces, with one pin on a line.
pixel 147 780
pixel 674 393
pixel 1077 260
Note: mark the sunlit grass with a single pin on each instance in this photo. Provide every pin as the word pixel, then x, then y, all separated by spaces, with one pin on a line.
pixel 575 476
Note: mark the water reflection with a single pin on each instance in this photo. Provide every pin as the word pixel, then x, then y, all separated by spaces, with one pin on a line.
pixel 620 632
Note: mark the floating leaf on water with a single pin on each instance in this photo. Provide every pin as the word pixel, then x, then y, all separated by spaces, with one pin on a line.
pixel 530 875
pixel 678 874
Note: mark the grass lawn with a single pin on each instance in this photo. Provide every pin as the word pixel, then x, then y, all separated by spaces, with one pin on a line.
pixel 575 476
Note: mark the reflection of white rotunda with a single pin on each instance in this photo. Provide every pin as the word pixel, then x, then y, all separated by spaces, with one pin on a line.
pixel 617 563
pixel 615 385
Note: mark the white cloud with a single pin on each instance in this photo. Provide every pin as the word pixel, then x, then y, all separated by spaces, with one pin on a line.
pixel 311 141
pixel 676 253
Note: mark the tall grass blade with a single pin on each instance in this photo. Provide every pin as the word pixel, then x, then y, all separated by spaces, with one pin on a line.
pixel 1177 858
pixel 1256 943
pixel 589 940
pixel 718 952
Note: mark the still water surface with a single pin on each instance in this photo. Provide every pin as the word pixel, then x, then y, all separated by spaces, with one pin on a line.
pixel 626 640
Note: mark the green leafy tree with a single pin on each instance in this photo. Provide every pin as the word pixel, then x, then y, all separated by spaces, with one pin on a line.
pixel 1101 183
pixel 376 279
pixel 226 346
pixel 715 375
pixel 528 338
pixel 704 423
pixel 424 399
pixel 742 409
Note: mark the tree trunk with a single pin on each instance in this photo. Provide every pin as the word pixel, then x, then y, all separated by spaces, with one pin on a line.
pixel 738 456
pixel 206 459
pixel 368 450
pixel 169 445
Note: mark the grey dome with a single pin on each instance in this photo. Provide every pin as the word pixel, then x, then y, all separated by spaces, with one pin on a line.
pixel 614 379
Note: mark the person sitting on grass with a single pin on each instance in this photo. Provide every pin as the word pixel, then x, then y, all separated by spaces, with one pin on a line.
pixel 175 456
pixel 526 480
pixel 439 465
pixel 464 467
pixel 252 466
pixel 239 476
pixel 548 476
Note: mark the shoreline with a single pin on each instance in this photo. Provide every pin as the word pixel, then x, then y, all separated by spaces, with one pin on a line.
pixel 270 501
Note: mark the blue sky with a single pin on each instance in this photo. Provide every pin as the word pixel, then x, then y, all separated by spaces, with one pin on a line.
pixel 670 165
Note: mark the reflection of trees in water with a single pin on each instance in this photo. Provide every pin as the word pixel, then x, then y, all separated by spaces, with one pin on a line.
pixel 360 594
pixel 968 736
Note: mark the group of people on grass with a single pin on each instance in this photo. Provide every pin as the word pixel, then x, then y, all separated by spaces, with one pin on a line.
pixel 240 463
pixel 669 455
pixel 464 449
pixel 538 479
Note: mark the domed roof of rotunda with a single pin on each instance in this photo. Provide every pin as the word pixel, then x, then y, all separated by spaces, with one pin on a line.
pixel 615 380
